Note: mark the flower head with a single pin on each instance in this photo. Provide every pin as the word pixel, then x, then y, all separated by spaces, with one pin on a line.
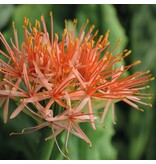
pixel 65 78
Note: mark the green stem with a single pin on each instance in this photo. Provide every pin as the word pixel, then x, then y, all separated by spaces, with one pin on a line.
pixel 45 147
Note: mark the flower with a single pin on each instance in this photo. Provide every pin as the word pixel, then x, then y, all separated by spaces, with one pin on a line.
pixel 68 80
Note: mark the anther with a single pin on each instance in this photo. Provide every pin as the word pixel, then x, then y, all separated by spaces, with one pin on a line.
pixel 127 53
pixel 56 36
pixel 148 71
pixel 137 62
pixel 67 150
pixel 152 78
pixel 141 109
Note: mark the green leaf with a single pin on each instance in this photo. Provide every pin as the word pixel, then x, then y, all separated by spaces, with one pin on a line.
pixel 143 41
pixel 45 147
pixel 18 146
pixel 109 20
pixel 5 14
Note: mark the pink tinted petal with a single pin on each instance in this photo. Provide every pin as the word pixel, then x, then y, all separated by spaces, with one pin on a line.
pixel 12 93
pixel 67 137
pixel 26 78
pixel 65 83
pixel 91 113
pixel 77 95
pixel 132 104
pixel 106 109
pixel 42 77
pixel 5 111
pixel 81 133
pixel 81 105
pixel 47 108
pixel 17 110
pixel 113 115
pixel 77 74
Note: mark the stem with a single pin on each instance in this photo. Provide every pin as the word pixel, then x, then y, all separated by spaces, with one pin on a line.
pixel 45 147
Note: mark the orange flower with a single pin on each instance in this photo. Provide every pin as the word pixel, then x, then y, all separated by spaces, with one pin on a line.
pixel 72 74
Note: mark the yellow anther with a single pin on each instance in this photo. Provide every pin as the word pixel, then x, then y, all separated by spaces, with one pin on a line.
pixel 21 100
pixel 147 86
pixel 150 105
pixel 128 53
pixel 5 79
pixel 100 46
pixel 13 89
pixel 87 21
pixel 91 28
pixel 137 62
pixel 51 13
pixel 152 78
pixel 42 17
pixel 56 36
pixel 53 54
pixel 25 21
pixel 65 31
pixel 65 21
pixel 125 50
pixel 30 40
pixel 75 21
pixel 34 30
pixel 100 38
pixel 68 158
pixel 67 150
pixel 38 23
pixel 148 71
pixel 92 42
pixel 141 109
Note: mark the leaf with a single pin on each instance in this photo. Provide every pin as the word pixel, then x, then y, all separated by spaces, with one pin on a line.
pixel 5 14
pixel 45 147
pixel 143 41
pixel 109 20
pixel 18 146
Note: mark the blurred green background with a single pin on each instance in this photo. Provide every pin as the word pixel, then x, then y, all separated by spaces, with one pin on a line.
pixel 134 135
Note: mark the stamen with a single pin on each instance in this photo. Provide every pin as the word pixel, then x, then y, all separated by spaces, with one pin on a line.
pixel 52 27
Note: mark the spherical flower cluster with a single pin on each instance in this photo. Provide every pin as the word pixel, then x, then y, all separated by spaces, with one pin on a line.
pixel 66 81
